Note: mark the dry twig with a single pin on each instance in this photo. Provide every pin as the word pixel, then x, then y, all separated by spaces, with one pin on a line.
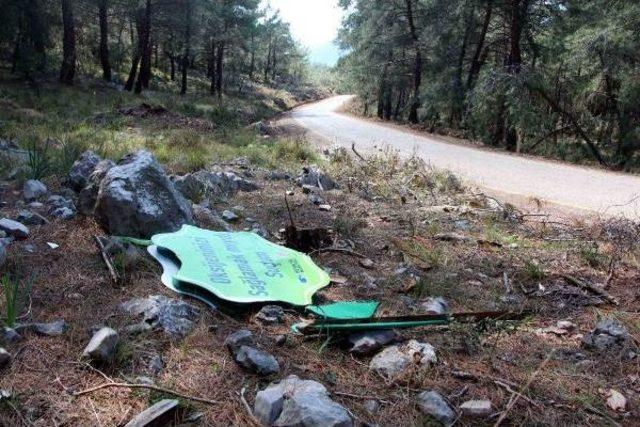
pixel 591 288
pixel 107 261
pixel 146 386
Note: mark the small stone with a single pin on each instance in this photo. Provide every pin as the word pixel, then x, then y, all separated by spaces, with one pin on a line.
pixel 315 199
pixel 237 339
pixel 52 329
pixel 477 408
pixel 163 413
pixel 36 205
pixel 10 335
pixel 615 400
pixel 372 406
pixel 33 189
pixel 365 343
pixel 102 347
pixel 258 361
pixel 432 403
pixel 5 358
pixel 280 340
pixel 270 314
pixel 366 263
pixel 451 237
pixel 565 325
pixel 394 360
pixel 434 306
pixel 63 213
pixel 324 208
pixel 155 364
pixel 610 335
pixel 296 402
pixel 229 216
pixel 14 228
pixel 30 218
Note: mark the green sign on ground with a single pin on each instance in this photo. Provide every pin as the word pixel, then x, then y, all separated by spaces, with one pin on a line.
pixel 242 267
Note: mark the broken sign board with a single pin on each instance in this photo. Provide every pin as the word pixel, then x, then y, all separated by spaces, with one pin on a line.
pixel 242 267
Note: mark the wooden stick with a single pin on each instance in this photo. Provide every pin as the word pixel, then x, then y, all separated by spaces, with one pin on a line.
pixel 589 287
pixel 146 386
pixel 339 250
pixel 353 148
pixel 107 261
pixel 523 389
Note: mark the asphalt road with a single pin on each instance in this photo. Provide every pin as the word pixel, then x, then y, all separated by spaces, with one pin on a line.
pixel 573 187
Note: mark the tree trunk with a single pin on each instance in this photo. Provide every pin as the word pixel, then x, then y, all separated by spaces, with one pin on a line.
pixel 172 60
pixel 104 39
pixel 474 69
pixel 68 68
pixel 219 70
pixel 144 42
pixel 187 49
pixel 417 67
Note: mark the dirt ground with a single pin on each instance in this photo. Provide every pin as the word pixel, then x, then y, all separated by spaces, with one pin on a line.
pixel 395 214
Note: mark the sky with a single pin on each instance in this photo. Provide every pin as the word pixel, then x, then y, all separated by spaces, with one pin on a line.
pixel 314 23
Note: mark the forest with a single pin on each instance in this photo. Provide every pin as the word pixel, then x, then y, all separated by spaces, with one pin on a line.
pixel 133 42
pixel 557 78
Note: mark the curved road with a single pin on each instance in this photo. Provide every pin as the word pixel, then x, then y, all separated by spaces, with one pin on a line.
pixel 574 187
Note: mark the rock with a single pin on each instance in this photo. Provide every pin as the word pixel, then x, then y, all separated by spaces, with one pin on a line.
pixel 324 208
pixel 82 170
pixel 5 358
pixel 270 314
pixel 432 403
pixel 315 199
pixel 162 413
pixel 476 408
pixel 229 216
pixel 258 361
pixel 451 237
pixel 366 263
pixel 205 184
pixel 452 183
pixel 372 406
pixel 278 176
pixel 177 318
pixel 434 306
pixel 102 347
pixel 10 335
pixel 137 199
pixel 366 343
pixel 237 339
pixel 262 127
pixel 14 228
pixel 89 194
pixel 615 400
pixel 52 329
pixel 155 364
pixel 314 177
pixel 295 402
pixel 610 335
pixel 33 189
pixel 394 360
pixel 566 325
pixel 280 340
pixel 63 213
pixel 31 218
pixel 57 201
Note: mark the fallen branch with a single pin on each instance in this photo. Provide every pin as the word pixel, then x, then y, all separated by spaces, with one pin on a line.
pixel 107 261
pixel 338 250
pixel 148 387
pixel 353 148
pixel 591 288
pixel 247 407
pixel 514 392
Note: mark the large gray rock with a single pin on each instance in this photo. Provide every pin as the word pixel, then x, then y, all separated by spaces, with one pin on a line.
pixel 301 403
pixel 166 412
pixel 5 358
pixel 314 177
pixel 102 347
pixel 365 343
pixel 137 199
pixel 395 360
pixel 234 341
pixel 14 229
pixel 205 184
pixel 89 194
pixel 256 360
pixel 177 318
pixel 432 403
pixel 82 170
pixel 33 189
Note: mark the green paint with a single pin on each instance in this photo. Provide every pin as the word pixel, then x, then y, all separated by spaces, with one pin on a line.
pixel 345 310
pixel 242 267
